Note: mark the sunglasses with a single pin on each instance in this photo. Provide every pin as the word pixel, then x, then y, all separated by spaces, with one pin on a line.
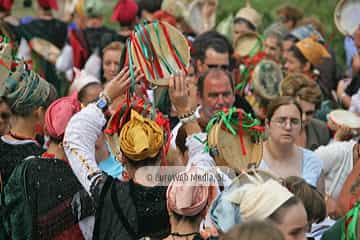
pixel 5 115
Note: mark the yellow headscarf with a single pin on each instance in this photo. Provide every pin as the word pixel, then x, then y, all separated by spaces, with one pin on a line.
pixel 140 138
pixel 313 51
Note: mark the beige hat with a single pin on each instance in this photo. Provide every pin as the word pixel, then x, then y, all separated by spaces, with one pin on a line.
pixel 250 14
pixel 176 8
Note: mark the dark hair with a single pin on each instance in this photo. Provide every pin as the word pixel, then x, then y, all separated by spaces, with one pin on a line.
pixel 281 101
pixel 213 72
pixel 313 200
pixel 256 230
pixel 298 55
pixel 278 215
pixel 248 24
pixel 196 219
pixel 150 6
pixel 210 39
pixel 291 13
pixel 290 37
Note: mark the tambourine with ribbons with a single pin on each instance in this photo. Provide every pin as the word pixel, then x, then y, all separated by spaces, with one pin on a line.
pixel 235 139
pixel 158 50
pixel 45 49
pixel 123 114
pixel 248 52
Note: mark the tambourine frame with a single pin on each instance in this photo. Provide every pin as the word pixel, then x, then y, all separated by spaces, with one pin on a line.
pixel 220 155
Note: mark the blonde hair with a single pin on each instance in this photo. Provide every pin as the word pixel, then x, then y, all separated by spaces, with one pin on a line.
pixel 115 46
pixel 257 230
pixel 299 85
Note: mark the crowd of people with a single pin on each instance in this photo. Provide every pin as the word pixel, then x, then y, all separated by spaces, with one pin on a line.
pixel 175 128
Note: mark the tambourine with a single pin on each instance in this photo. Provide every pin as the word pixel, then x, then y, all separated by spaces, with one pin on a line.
pixel 248 44
pixel 234 140
pixel 266 79
pixel 342 118
pixel 194 16
pixel 45 49
pixel 346 16
pixel 158 50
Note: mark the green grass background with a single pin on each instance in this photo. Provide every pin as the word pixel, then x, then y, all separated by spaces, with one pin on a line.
pixel 323 9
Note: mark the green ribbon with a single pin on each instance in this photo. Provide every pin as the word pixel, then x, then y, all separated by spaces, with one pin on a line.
pixel 230 121
pixel 131 67
pixel 349 233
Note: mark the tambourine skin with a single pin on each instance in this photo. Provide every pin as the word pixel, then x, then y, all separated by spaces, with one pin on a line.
pixel 226 149
pixel 248 44
pixel 346 16
pixel 267 81
pixel 163 54
pixel 45 49
pixel 342 118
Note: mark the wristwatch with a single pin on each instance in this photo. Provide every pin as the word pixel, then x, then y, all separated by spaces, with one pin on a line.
pixel 102 104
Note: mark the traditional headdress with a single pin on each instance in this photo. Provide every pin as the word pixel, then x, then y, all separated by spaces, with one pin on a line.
pixel 82 79
pixel 250 15
pixel 253 195
pixel 138 131
pixel 125 11
pixel 52 4
pixel 6 4
pixel 313 51
pixel 23 89
pixel 190 196
pixel 59 114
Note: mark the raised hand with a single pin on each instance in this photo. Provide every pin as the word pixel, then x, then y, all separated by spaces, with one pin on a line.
pixel 121 83
pixel 181 95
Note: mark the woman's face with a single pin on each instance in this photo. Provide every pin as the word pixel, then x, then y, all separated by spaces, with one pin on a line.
pixel 285 125
pixel 292 64
pixel 111 61
pixel 294 224
pixel 239 30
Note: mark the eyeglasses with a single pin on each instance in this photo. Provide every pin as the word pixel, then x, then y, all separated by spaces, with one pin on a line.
pixel 5 115
pixel 224 67
pixel 283 121
pixel 309 113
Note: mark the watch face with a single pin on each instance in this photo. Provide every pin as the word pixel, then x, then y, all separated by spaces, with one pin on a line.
pixel 101 103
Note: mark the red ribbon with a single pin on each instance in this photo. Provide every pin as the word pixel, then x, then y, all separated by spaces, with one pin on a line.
pixel 240 132
pixel 171 48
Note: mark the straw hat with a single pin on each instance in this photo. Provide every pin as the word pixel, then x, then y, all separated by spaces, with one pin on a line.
pixel 238 148
pixel 250 14
pixel 45 49
pixel 266 79
pixel 347 17
pixel 159 50
pixel 176 8
pixel 248 44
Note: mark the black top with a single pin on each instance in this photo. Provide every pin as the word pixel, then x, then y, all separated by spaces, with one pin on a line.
pixel 98 38
pixel 242 103
pixel 127 210
pixel 53 30
pixel 353 86
pixel 12 155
